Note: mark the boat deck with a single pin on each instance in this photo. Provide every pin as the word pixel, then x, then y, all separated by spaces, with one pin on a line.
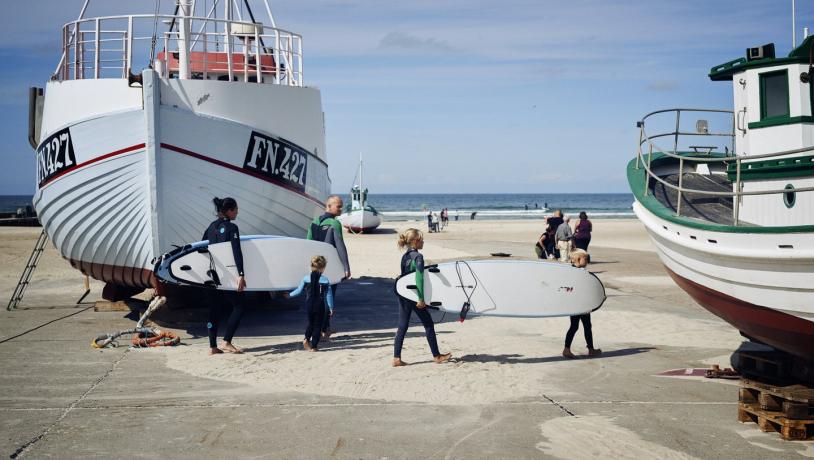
pixel 715 209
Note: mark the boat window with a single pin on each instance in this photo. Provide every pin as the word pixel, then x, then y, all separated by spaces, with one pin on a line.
pixel 774 94
pixel 790 196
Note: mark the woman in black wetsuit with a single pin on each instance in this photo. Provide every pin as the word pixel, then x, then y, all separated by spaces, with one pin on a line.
pixel 413 261
pixel 220 231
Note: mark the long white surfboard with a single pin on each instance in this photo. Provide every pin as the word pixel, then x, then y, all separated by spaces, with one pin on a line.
pixel 270 263
pixel 507 288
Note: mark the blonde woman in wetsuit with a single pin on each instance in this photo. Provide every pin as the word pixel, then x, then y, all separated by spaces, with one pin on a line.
pixel 413 261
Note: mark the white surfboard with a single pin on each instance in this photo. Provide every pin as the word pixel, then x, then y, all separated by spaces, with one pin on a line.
pixel 507 288
pixel 270 263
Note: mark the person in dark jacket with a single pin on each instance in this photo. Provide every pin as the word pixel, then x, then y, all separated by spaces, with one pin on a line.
pixel 328 229
pixel 582 232
pixel 220 231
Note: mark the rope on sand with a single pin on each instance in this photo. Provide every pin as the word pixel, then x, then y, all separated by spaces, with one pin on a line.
pixel 143 337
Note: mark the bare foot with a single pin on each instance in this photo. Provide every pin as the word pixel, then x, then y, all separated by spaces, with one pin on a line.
pixel 594 351
pixel 215 351
pixel 397 362
pixel 306 345
pixel 310 348
pixel 566 352
pixel 227 346
pixel 443 358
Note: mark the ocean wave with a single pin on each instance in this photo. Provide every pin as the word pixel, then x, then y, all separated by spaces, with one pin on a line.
pixel 485 213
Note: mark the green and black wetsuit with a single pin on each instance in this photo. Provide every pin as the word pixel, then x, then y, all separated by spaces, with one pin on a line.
pixel 413 261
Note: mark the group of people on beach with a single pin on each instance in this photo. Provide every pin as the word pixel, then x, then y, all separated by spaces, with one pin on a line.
pixel 437 221
pixel 320 293
pixel 559 240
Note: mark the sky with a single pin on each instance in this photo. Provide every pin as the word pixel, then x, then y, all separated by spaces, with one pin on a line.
pixel 461 96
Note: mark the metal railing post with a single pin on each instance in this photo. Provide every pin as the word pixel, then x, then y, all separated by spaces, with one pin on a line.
pixel 129 58
pixel 277 56
pixel 639 152
pixel 299 62
pixel 737 203
pixel 678 127
pixel 680 184
pixel 257 61
pixel 96 44
pixel 76 51
pixel 647 173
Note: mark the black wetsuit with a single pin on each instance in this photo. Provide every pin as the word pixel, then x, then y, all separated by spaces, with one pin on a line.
pixel 220 231
pixel 327 229
pixel 414 261
pixel 586 325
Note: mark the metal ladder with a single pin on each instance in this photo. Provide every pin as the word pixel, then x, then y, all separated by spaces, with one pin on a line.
pixel 19 291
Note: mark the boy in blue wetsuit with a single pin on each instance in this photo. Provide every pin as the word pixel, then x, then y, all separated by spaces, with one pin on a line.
pixel 413 261
pixel 319 295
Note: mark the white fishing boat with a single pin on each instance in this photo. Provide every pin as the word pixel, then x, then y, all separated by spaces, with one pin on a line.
pixel 360 217
pixel 729 204
pixel 147 117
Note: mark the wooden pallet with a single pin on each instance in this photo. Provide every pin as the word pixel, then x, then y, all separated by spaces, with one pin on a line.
pixel 768 421
pixel 766 366
pixel 793 402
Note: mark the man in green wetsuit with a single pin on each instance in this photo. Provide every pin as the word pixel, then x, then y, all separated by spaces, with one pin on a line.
pixel 326 228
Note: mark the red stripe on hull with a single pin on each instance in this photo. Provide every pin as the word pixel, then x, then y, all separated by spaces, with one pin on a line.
pixel 240 170
pixel 122 276
pixel 780 330
pixel 91 161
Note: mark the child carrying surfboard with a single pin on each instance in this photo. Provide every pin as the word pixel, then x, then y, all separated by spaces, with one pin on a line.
pixel 413 261
pixel 319 295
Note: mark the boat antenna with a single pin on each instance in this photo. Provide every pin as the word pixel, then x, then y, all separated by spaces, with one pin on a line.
pixel 155 33
pixel 793 25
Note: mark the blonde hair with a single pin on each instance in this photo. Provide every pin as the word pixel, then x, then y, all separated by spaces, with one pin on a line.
pixel 408 237
pixel 318 263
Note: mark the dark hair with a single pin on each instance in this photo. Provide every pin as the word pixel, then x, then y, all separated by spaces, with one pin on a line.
pixel 582 215
pixel 224 204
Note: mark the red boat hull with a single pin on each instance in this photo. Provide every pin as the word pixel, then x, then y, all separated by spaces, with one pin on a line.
pixel 777 329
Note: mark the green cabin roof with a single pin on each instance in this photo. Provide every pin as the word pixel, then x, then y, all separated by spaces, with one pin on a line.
pixel 799 55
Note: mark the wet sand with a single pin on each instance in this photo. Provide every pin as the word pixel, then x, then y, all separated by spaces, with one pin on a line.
pixel 509 393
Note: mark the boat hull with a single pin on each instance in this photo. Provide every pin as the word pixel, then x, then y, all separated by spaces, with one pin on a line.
pixel 145 163
pixel 360 221
pixel 745 279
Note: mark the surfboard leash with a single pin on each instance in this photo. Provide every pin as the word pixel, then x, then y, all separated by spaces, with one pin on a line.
pixel 468 304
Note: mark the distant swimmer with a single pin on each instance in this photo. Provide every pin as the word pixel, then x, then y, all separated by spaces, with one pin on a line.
pixel 319 296
pixel 326 228
pixel 220 231
pixel 413 261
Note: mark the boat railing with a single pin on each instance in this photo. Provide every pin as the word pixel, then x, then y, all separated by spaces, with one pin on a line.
pixel 702 154
pixel 184 47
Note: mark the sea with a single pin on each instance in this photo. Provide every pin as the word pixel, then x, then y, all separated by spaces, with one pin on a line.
pixel 491 206
pixel 494 206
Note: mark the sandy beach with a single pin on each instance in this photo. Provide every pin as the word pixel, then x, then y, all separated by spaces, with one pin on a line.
pixel 508 377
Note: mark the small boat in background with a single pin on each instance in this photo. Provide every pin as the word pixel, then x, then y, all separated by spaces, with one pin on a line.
pixel 360 217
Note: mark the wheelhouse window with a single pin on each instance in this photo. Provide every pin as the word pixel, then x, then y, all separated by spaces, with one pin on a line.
pixel 774 94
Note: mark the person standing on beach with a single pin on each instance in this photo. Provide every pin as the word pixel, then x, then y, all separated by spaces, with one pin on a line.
pixel 220 231
pixel 589 338
pixel 413 261
pixel 564 236
pixel 552 224
pixel 319 296
pixel 582 232
pixel 326 228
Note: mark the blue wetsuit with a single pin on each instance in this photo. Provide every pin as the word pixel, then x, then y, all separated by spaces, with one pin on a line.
pixel 413 261
pixel 221 231
pixel 319 295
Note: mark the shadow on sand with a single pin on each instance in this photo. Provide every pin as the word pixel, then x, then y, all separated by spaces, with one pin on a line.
pixel 520 359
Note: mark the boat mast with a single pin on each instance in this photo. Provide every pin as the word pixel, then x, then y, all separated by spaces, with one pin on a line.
pixel 185 9
pixel 361 192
